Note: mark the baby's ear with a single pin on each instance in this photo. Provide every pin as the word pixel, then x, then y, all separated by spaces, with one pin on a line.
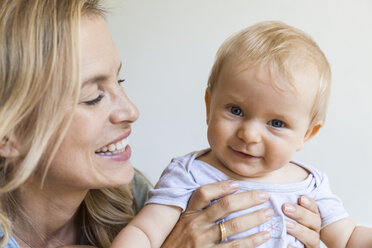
pixel 8 148
pixel 313 129
pixel 207 99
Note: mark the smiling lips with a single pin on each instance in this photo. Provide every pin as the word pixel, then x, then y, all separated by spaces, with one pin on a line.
pixel 245 155
pixel 114 148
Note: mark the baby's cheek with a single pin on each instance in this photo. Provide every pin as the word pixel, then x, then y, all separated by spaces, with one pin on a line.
pixel 280 154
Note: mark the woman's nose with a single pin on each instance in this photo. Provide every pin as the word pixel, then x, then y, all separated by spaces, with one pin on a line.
pixel 125 110
pixel 249 132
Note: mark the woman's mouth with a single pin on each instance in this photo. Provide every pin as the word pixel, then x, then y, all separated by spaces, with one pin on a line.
pixel 114 148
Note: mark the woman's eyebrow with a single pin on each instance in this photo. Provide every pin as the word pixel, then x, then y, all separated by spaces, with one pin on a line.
pixel 99 78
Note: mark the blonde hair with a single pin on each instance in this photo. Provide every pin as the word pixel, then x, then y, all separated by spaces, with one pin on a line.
pixel 279 47
pixel 39 79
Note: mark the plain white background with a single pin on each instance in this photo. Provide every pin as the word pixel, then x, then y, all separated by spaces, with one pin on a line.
pixel 168 48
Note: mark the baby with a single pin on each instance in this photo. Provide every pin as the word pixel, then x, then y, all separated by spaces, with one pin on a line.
pixel 267 96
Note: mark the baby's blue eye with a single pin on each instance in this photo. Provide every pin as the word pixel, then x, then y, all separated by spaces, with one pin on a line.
pixel 276 123
pixel 236 111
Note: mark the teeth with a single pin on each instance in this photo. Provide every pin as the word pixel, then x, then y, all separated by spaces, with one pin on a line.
pixel 118 151
pixel 118 147
pixel 112 147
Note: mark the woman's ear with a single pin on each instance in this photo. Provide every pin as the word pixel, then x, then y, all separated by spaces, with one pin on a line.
pixel 7 147
pixel 207 99
pixel 310 133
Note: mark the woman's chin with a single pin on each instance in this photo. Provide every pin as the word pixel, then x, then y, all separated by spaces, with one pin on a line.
pixel 119 178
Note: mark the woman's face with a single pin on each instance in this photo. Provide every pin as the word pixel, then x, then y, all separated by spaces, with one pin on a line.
pixel 102 120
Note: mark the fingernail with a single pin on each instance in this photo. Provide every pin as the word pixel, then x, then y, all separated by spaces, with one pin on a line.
pixel 234 185
pixel 264 195
pixel 305 201
pixel 269 213
pixel 289 208
pixel 290 224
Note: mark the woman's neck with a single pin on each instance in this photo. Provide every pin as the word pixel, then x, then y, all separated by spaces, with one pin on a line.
pixel 50 215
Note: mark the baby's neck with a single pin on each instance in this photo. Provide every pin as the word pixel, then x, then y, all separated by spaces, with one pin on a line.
pixel 289 173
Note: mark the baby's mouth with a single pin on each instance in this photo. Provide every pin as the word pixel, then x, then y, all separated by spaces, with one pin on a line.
pixel 247 155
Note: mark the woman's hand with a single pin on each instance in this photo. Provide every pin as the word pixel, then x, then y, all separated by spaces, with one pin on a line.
pixel 308 224
pixel 196 226
pixel 76 246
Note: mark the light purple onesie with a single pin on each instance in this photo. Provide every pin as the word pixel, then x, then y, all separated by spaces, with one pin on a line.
pixel 185 174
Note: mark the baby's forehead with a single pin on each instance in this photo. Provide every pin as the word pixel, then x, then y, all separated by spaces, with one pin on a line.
pixel 300 79
pixel 293 72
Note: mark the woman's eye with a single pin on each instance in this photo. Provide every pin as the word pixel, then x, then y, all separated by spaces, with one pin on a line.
pixel 276 123
pixel 236 111
pixel 120 81
pixel 94 101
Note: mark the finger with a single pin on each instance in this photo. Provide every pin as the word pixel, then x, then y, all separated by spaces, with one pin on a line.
pixel 241 224
pixel 235 202
pixel 209 192
pixel 248 221
pixel 307 236
pixel 303 216
pixel 76 246
pixel 309 204
pixel 249 242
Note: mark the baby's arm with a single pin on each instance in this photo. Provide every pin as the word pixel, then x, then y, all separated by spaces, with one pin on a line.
pixel 344 233
pixel 149 228
pixel 361 238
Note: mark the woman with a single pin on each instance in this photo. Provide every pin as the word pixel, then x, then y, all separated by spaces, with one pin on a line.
pixel 64 124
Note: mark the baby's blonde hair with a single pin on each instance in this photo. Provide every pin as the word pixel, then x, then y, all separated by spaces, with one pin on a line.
pixel 279 47
pixel 39 89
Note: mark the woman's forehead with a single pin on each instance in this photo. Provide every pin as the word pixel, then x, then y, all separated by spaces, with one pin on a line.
pixel 99 55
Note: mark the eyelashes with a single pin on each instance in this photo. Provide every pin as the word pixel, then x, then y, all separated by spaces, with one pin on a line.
pixel 99 98
pixel 94 101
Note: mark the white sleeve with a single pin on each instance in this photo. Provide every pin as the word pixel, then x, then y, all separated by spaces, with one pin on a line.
pixel 330 206
pixel 174 187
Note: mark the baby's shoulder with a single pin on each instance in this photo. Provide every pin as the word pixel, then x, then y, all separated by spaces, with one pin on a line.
pixel 301 170
pixel 296 173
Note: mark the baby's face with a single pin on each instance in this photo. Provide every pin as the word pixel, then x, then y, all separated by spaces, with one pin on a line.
pixel 255 128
